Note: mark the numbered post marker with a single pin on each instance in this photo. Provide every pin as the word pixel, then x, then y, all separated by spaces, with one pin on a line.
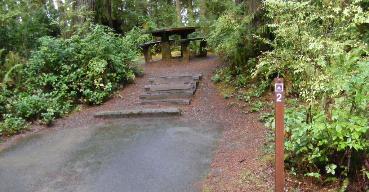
pixel 279 88
pixel 279 135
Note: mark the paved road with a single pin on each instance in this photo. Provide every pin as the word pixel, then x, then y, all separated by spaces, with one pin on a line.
pixel 154 155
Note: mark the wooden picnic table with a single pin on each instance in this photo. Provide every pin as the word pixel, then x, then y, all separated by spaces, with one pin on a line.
pixel 164 35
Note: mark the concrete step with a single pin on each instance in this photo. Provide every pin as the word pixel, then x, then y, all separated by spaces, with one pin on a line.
pixel 167 95
pixel 185 92
pixel 185 79
pixel 161 112
pixel 171 87
pixel 170 101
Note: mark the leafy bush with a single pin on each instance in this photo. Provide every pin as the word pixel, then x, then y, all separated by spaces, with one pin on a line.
pixel 2 104
pixel 11 125
pixel 38 106
pixel 61 73
pixel 5 97
pixel 9 70
pixel 238 38
pixel 83 69
pixel 20 35
pixel 308 41
pixel 319 50
pixel 315 148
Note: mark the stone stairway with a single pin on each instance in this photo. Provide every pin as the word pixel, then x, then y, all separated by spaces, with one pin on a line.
pixel 176 89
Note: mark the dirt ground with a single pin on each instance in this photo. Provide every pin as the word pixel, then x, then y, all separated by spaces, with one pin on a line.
pixel 238 164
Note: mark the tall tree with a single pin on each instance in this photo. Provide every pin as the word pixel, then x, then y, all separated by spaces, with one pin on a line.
pixel 179 11
pixel 239 1
pixel 87 4
pixel 190 13
pixel 202 9
pixel 253 5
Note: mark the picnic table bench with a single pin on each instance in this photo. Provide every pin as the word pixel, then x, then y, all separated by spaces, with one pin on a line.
pixel 165 42
pixel 146 49
pixel 185 51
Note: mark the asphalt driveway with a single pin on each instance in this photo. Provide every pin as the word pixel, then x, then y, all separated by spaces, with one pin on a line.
pixel 134 155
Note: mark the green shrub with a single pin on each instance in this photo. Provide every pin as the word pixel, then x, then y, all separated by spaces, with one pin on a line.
pixel 38 106
pixel 238 38
pixel 216 78
pixel 314 41
pixel 2 104
pixel 330 148
pixel 62 73
pixel 319 50
pixel 12 125
pixel 84 68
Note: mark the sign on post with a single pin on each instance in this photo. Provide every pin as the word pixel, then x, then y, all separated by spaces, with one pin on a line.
pixel 279 135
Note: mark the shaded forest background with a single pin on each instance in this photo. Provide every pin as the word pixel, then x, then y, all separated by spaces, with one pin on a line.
pixel 23 22
pixel 58 54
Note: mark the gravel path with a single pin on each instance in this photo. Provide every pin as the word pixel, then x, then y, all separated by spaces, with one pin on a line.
pixel 237 164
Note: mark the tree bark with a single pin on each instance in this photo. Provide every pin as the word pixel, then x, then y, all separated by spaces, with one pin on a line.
pixel 239 1
pixel 191 18
pixel 109 12
pixel 59 4
pixel 179 10
pixel 90 5
pixel 253 5
pixel 202 9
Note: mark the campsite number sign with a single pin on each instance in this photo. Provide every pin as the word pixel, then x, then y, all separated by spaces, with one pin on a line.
pixel 279 88
pixel 279 134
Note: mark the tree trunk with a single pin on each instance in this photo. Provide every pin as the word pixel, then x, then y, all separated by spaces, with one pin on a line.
pixel 253 5
pixel 202 9
pixel 239 1
pixel 179 10
pixel 89 5
pixel 191 18
pixel 109 12
pixel 58 4
pixel 86 5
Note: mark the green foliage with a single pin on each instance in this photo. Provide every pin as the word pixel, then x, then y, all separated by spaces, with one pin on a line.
pixel 147 14
pixel 38 106
pixel 2 104
pixel 10 68
pixel 84 68
pixel 319 50
pixel 163 14
pixel 71 19
pixel 223 75
pixel 239 38
pixel 216 78
pixel 216 8
pixel 61 73
pixel 307 48
pixel 334 147
pixel 21 35
pixel 257 106
pixel 12 125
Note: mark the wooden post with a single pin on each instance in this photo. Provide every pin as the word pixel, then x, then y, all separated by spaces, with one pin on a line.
pixel 165 48
pixel 279 135
pixel 203 52
pixel 147 54
pixel 183 37
pixel 186 51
